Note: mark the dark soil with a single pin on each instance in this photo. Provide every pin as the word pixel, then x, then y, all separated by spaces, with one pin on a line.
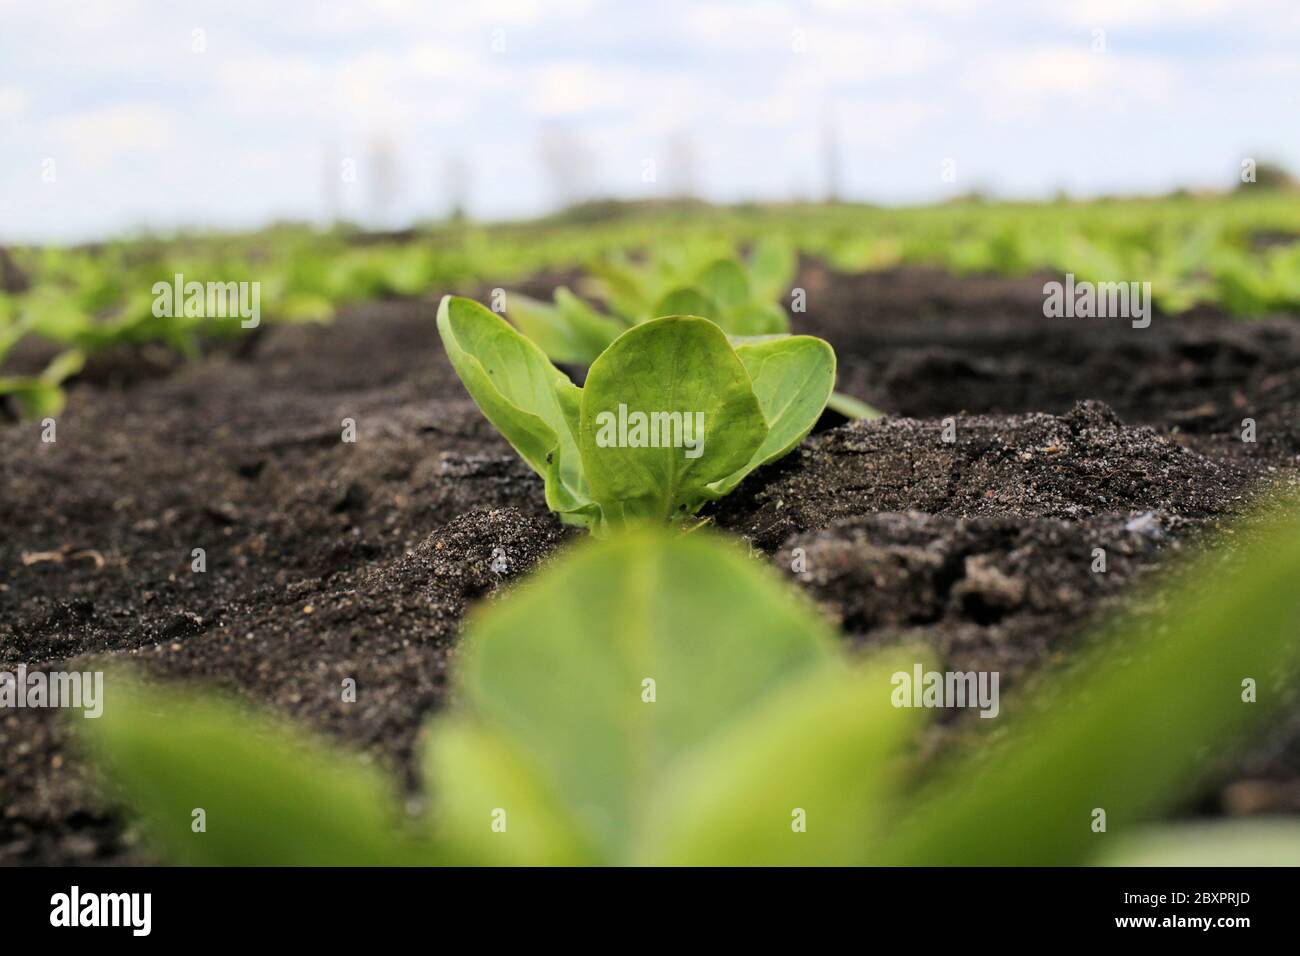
pixel 328 560
pixel 921 343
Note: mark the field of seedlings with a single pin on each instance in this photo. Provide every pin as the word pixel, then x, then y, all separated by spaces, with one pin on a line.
pixel 658 533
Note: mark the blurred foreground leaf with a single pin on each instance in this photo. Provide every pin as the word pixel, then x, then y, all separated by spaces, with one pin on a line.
pixel 658 698
pixel 1243 843
pixel 614 669
pixel 270 795
pixel 1128 730
pixel 807 778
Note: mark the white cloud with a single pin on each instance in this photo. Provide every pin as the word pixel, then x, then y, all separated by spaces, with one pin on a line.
pixel 858 43
pixel 268 85
pixel 732 25
pixel 241 129
pixel 881 122
pixel 1019 84
pixel 13 102
pixel 855 56
pixel 1117 13
pixel 572 88
pixel 419 18
pixel 99 136
pixel 370 91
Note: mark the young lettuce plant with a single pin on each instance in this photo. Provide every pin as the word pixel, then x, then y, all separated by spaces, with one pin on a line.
pixel 740 299
pixel 711 411
pixel 694 711
pixel 740 296
pixel 40 395
pixel 571 331
pixel 34 395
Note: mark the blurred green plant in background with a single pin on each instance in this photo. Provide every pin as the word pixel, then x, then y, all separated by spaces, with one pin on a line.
pixel 657 699
pixel 1238 252
pixel 680 279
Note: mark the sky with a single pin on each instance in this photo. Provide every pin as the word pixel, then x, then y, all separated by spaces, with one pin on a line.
pixel 129 115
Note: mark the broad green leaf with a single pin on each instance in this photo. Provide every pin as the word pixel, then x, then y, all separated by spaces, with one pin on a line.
pixel 724 282
pixel 674 383
pixel 793 377
pixel 686 301
pixel 805 779
pixel 270 796
pixel 772 268
pixel 490 806
pixel 517 389
pixel 1274 842
pixel 1126 731
pixel 560 669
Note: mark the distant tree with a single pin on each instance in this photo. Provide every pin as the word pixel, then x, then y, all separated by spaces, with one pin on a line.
pixel 1265 174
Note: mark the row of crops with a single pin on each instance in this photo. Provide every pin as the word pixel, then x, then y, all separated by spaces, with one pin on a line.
pixel 1236 252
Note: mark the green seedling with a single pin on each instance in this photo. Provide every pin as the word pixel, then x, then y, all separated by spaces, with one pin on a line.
pixel 672 415
pixel 661 699
pixel 629 706
pixel 34 395
pixel 570 331
pixel 12 329
pixel 740 299
pixel 1235 252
